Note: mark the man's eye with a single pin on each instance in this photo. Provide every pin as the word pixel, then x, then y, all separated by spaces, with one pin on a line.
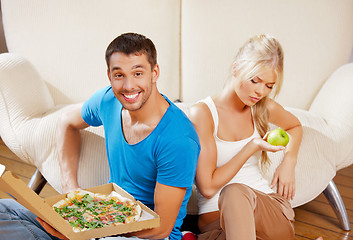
pixel 118 76
pixel 138 74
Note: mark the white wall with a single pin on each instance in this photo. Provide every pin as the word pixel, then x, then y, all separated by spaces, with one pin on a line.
pixel 316 37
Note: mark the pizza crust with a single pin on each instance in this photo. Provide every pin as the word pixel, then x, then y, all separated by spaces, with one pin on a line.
pixel 79 194
pixel 115 209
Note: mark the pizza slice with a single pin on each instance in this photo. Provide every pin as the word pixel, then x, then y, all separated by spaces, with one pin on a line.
pixel 85 210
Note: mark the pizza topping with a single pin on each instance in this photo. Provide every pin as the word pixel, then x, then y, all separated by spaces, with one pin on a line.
pixel 85 210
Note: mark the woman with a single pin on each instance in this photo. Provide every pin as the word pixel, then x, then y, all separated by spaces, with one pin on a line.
pixel 235 201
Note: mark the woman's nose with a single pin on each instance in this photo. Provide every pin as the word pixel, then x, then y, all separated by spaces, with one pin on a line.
pixel 260 89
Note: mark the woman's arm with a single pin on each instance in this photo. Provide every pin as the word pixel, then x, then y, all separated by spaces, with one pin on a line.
pixel 209 178
pixel 284 176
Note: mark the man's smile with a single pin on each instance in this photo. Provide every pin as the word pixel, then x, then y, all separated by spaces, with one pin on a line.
pixel 130 97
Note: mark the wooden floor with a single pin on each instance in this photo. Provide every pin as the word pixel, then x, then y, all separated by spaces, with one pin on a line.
pixel 312 219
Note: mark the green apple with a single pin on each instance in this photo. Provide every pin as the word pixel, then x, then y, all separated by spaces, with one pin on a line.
pixel 278 137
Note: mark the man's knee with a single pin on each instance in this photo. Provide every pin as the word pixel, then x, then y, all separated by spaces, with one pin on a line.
pixel 6 204
pixel 12 209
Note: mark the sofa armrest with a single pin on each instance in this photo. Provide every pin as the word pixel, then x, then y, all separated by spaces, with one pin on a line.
pixel 334 103
pixel 28 120
pixel 23 95
pixel 316 158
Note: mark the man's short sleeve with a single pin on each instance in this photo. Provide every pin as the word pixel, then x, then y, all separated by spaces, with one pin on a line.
pixel 177 162
pixel 90 110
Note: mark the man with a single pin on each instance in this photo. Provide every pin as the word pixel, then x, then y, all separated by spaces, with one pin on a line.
pixel 152 147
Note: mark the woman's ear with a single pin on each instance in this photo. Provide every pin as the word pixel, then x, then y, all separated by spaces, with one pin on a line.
pixel 234 68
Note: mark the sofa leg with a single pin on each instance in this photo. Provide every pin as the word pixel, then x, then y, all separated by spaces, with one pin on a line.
pixel 37 182
pixel 334 197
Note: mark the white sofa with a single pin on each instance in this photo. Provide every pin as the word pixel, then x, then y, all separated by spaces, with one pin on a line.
pixel 56 58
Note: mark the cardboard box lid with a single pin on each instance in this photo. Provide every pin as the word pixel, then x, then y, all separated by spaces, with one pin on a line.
pixel 18 190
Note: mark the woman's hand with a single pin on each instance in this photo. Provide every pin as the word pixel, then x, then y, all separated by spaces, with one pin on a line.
pixel 50 229
pixel 284 178
pixel 262 145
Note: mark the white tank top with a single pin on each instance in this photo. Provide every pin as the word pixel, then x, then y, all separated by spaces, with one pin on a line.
pixel 249 174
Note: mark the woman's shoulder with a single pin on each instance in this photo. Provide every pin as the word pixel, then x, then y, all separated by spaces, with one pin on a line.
pixel 199 111
pixel 201 116
pixel 273 106
pixel 277 113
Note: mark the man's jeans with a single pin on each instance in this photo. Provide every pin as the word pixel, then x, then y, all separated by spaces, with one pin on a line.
pixel 16 222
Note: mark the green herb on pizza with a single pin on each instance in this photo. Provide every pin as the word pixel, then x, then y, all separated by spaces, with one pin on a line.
pixel 86 210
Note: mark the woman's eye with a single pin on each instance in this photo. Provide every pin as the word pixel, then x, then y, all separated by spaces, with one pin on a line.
pixel 253 81
pixel 270 86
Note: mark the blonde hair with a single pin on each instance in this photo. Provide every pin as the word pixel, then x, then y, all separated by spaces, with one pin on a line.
pixel 258 52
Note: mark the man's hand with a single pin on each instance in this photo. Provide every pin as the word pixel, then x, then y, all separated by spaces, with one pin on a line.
pixel 50 229
pixel 167 200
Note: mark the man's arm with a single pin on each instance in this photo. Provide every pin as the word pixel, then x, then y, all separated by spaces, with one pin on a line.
pixel 68 145
pixel 167 201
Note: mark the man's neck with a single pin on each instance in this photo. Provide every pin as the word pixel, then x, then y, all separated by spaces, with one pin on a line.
pixel 152 111
pixel 137 125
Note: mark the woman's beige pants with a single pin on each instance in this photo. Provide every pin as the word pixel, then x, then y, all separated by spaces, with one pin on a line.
pixel 246 213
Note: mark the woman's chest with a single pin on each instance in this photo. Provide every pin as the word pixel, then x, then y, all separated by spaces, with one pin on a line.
pixel 235 126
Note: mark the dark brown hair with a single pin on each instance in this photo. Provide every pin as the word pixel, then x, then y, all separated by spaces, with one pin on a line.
pixel 132 43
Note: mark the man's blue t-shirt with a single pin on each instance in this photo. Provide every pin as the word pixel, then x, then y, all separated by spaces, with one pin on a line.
pixel 168 155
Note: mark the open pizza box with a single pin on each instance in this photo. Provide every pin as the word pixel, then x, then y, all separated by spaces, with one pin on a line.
pixel 42 207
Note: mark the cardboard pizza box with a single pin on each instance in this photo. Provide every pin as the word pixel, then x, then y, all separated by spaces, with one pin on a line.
pixel 42 207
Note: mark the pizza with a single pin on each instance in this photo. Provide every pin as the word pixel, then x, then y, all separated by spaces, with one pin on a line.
pixel 85 210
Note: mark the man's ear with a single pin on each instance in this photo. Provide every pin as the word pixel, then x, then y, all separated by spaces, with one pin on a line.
pixel 155 73
pixel 109 76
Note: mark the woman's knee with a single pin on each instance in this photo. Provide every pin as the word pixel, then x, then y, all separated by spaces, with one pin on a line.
pixel 284 230
pixel 236 190
pixel 237 193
